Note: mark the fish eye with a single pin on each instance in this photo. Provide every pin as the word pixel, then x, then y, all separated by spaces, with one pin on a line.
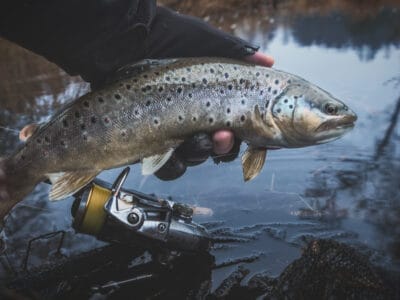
pixel 331 109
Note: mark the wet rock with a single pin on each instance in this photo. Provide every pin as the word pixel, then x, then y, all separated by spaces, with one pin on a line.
pixel 233 280
pixel 329 270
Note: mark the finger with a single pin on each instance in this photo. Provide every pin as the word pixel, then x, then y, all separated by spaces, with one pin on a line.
pixel 173 169
pixel 222 141
pixel 231 155
pixel 261 59
pixel 196 149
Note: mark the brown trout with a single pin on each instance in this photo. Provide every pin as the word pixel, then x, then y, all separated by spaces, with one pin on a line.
pixel 146 116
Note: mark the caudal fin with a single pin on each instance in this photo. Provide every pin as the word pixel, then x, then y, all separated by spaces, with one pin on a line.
pixel 15 184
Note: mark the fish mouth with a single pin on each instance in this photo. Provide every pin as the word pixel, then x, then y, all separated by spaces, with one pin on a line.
pixel 344 123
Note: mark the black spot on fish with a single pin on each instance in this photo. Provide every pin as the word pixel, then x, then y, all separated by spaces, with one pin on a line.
pixel 63 143
pixel 157 73
pixel 86 103
pixel 276 81
pixel 278 110
pixel 194 119
pixel 228 123
pixel 93 120
pixel 183 79
pixel 106 120
pixel 210 120
pixel 261 92
pixel 193 85
pixel 266 75
pixel 226 75
pixel 169 99
pixel 208 103
pixel 136 112
pixel 275 92
pixel 65 123
pixel 190 95
pixel 128 86
pixel 228 110
pixel 211 70
pixel 222 91
pixel 285 101
pixel 143 89
pixel 145 76
pixel 100 99
pixel 258 74
pixel 252 87
pixel 123 133
pixel 235 68
pixel 289 81
pixel 117 96
pixel 291 106
pixel 155 121
pixel 204 81
pixel 84 137
pixel 269 89
pixel 160 89
pixel 148 102
pixel 46 139
pixel 135 80
pixel 266 104
pixel 179 90
pixel 83 126
pixel 242 118
pixel 180 118
pixel 148 87
pixel 167 78
pixel 243 102
pixel 188 69
pixel 295 97
pixel 230 87
pixel 241 81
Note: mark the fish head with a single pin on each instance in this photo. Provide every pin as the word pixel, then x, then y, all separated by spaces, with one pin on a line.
pixel 307 115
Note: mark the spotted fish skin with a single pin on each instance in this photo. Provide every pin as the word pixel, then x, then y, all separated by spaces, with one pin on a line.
pixel 156 110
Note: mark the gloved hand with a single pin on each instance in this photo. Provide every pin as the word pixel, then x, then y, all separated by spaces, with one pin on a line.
pixel 107 35
pixel 174 35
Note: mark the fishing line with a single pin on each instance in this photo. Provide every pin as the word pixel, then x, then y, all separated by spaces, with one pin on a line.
pixel 9 129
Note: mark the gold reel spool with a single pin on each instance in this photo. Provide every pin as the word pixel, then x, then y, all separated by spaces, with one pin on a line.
pixel 91 215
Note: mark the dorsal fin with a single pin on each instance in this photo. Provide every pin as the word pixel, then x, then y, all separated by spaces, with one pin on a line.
pixel 137 68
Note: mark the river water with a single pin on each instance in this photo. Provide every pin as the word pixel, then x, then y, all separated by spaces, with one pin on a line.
pixel 348 190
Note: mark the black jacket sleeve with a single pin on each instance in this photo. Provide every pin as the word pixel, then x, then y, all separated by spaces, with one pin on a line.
pixel 93 38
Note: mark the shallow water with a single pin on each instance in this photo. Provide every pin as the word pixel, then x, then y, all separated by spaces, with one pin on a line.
pixel 347 190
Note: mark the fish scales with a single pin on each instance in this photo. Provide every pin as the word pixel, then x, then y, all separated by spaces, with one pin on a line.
pixel 146 116
pixel 137 117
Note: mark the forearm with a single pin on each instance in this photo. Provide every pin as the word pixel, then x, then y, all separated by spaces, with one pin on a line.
pixel 93 38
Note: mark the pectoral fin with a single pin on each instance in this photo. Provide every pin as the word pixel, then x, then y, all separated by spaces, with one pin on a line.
pixel 252 162
pixel 67 183
pixel 153 163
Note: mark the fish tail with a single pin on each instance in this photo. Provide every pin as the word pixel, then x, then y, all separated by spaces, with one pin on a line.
pixel 15 184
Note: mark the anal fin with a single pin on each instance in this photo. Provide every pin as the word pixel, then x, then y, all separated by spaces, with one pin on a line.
pixel 67 183
pixel 253 161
